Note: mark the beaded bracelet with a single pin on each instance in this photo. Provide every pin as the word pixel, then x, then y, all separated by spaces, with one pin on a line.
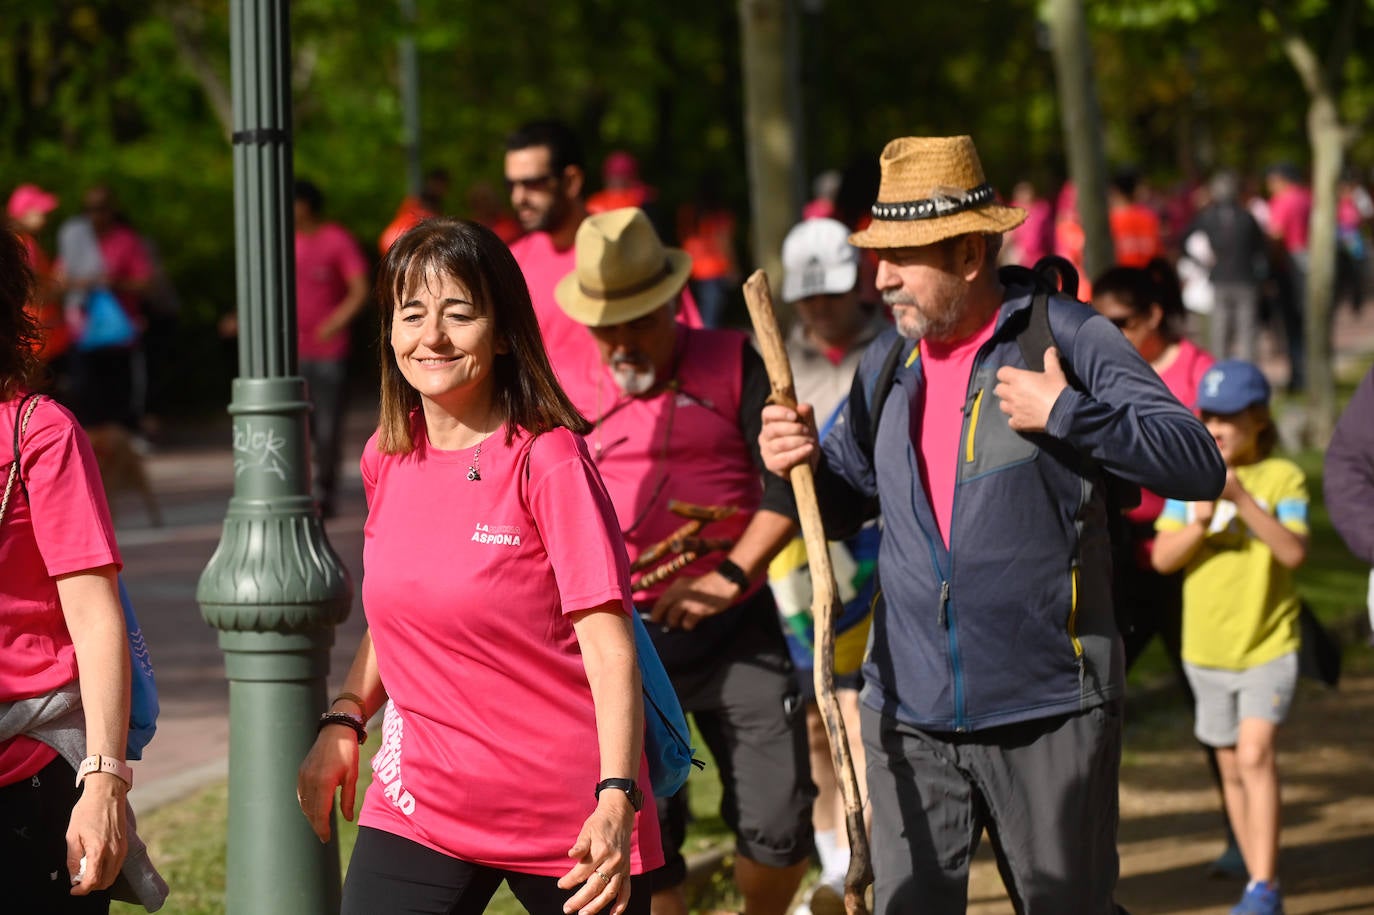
pixel 351 721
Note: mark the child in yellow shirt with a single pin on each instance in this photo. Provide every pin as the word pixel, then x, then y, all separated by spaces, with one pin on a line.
pixel 1240 610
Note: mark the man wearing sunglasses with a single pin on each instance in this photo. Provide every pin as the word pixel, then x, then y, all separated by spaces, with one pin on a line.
pixel 546 177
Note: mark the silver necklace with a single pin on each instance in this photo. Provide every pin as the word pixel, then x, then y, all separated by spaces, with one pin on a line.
pixel 474 475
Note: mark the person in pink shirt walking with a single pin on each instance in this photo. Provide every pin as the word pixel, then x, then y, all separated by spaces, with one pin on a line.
pixel 1290 215
pixel 546 175
pixel 676 415
pixel 331 287
pixel 497 596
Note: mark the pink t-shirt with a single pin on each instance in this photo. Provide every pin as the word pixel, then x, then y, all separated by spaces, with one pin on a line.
pixel 947 368
pixel 126 260
pixel 569 344
pixel 489 749
pixel 1290 215
pixel 62 527
pixel 327 260
pixel 1181 378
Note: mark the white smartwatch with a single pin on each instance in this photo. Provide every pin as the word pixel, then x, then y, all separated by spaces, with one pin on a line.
pixel 108 764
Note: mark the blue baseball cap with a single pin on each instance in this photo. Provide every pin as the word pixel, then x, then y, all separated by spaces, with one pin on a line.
pixel 1232 386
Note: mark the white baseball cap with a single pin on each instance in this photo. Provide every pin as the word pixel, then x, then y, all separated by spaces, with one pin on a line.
pixel 817 259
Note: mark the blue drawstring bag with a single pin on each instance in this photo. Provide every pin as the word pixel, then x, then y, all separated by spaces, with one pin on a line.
pixel 107 324
pixel 143 704
pixel 665 726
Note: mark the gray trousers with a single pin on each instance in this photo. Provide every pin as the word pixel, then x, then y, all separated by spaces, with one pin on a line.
pixel 326 384
pixel 1235 321
pixel 1046 791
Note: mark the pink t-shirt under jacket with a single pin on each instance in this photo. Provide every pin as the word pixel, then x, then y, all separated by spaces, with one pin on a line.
pixel 489 750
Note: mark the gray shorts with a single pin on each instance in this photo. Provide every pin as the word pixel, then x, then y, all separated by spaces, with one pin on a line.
pixel 1225 697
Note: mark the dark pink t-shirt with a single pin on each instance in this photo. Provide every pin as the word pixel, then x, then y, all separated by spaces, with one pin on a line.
pixel 1290 216
pixel 62 527
pixel 126 260
pixel 947 368
pixel 327 260
pixel 489 748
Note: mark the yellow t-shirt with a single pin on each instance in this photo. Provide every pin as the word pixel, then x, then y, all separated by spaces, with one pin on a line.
pixel 1240 607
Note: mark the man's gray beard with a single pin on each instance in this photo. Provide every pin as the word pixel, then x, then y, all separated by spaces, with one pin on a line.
pixel 922 327
pixel 631 379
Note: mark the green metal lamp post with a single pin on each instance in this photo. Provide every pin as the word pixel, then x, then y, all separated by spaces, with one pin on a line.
pixel 274 588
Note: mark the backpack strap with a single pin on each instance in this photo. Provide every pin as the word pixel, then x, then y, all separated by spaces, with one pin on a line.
pixel 878 397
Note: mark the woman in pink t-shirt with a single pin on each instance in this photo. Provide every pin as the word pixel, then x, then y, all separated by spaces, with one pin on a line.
pixel 496 588
pixel 59 611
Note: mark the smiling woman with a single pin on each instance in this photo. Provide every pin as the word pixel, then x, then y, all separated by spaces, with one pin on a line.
pixel 495 566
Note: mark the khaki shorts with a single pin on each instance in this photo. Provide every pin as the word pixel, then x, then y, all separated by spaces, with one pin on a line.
pixel 1226 697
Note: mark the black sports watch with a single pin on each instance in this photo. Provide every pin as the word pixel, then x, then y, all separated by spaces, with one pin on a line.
pixel 622 784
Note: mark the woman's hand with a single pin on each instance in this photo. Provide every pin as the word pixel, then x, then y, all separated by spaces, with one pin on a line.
pixel 97 833
pixel 602 853
pixel 332 763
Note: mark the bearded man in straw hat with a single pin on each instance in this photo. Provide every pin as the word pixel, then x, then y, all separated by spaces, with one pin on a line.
pixel 677 417
pixel 994 677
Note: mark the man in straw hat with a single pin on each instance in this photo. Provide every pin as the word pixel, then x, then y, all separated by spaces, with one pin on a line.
pixel 994 676
pixel 677 417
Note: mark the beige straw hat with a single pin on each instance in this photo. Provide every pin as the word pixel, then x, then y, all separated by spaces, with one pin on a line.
pixel 932 189
pixel 623 271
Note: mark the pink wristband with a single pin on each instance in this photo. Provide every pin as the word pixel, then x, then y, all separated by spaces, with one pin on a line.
pixel 107 764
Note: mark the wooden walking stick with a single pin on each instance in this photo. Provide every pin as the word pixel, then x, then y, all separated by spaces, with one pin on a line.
pixel 825 600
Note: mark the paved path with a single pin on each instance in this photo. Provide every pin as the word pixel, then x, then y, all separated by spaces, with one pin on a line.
pixel 193 476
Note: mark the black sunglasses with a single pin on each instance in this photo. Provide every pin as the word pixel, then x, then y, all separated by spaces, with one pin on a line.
pixel 529 184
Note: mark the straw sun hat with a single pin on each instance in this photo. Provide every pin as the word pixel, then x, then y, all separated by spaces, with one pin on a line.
pixel 622 270
pixel 932 189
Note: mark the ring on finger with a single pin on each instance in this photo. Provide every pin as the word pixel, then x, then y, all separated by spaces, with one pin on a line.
pixel 604 878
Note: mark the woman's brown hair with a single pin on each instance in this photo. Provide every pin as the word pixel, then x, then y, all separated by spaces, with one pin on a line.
pixel 19 333
pixel 524 384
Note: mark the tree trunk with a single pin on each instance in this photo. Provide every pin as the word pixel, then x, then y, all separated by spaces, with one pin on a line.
pixel 768 130
pixel 1327 138
pixel 1082 121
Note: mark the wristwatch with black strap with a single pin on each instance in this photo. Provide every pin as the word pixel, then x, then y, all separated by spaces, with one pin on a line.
pixel 622 784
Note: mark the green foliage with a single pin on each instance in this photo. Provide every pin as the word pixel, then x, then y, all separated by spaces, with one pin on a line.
pixel 135 94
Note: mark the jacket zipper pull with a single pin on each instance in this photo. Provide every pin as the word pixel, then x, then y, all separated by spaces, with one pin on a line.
pixel 944 602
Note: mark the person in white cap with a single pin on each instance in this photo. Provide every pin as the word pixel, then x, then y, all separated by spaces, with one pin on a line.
pixel 832 330
pixel 676 414
pixel 994 675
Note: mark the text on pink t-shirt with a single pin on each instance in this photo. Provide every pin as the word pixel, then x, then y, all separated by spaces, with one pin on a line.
pixel 947 369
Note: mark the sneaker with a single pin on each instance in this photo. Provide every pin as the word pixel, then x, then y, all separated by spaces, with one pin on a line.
pixel 1229 866
pixel 1261 898
pixel 827 897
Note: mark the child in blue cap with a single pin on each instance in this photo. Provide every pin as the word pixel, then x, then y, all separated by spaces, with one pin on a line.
pixel 1240 610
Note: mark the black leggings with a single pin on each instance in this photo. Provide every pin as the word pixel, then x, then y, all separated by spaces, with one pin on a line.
pixel 389 874
pixel 34 813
